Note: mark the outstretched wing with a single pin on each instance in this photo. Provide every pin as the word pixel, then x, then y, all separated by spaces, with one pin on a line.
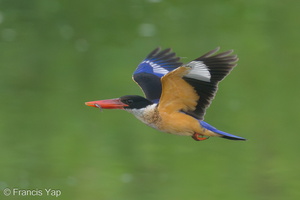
pixel 177 94
pixel 192 87
pixel 208 71
pixel 149 72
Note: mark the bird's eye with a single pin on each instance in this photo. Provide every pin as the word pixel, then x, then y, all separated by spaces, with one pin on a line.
pixel 129 101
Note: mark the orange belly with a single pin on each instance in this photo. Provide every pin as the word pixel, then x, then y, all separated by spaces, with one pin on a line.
pixel 181 124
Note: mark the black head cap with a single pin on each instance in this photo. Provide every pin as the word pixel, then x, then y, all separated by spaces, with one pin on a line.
pixel 135 101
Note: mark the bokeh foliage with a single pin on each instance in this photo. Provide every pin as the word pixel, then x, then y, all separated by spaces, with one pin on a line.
pixel 55 55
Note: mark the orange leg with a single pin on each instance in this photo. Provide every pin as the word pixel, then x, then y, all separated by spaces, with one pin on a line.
pixel 199 137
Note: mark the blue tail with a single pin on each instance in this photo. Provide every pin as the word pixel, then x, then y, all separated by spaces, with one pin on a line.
pixel 224 134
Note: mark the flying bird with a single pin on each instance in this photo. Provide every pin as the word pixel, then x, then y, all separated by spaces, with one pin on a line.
pixel 176 94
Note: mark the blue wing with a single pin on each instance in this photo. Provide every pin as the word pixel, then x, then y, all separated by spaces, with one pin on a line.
pixel 148 73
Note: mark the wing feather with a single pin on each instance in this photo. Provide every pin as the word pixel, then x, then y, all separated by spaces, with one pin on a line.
pixel 177 95
pixel 219 66
pixel 148 73
pixel 189 88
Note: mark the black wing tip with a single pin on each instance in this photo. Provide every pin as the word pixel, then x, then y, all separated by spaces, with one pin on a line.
pixel 158 50
pixel 234 138
pixel 224 57
pixel 219 66
pixel 153 52
pixel 165 55
pixel 210 53
pixel 168 53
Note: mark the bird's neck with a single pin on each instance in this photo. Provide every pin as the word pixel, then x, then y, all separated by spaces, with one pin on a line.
pixel 149 115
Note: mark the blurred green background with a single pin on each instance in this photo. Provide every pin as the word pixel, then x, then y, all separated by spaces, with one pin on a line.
pixel 57 54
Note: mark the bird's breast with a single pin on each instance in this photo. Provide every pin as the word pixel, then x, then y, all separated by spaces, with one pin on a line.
pixel 176 123
pixel 179 123
pixel 148 115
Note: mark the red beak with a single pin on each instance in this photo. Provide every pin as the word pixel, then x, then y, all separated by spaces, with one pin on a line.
pixel 107 104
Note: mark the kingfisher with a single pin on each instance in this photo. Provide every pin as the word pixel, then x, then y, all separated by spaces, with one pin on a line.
pixel 176 94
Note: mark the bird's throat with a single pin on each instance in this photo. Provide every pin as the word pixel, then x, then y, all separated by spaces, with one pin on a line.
pixel 148 115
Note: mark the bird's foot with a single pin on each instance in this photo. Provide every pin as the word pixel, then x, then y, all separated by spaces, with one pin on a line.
pixel 199 137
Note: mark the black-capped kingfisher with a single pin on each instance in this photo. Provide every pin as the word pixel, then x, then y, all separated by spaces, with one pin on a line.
pixel 177 95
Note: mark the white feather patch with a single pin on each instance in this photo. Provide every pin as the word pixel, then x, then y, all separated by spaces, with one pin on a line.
pixel 156 68
pixel 198 71
pixel 145 114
